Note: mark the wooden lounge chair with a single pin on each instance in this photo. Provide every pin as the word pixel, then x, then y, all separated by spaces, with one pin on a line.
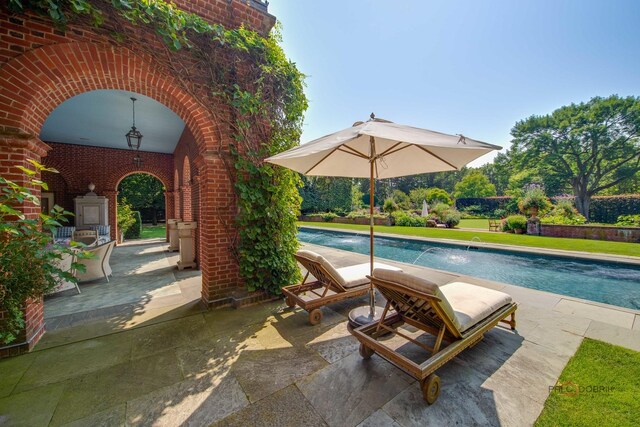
pixel 331 285
pixel 456 313
pixel 495 224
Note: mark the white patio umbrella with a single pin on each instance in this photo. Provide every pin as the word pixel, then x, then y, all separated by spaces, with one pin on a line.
pixel 380 149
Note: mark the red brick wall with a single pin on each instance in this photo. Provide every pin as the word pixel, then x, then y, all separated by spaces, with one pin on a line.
pixel 105 167
pixel 594 232
pixel 41 67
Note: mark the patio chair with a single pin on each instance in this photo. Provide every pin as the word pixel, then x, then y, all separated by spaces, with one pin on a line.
pixel 457 313
pixel 495 225
pixel 331 284
pixel 64 264
pixel 88 237
pixel 98 266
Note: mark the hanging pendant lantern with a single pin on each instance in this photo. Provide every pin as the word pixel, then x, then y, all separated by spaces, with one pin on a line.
pixel 134 137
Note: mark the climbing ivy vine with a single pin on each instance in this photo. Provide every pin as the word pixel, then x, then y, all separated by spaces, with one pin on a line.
pixel 252 77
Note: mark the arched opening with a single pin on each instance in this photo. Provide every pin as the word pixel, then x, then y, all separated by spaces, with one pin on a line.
pixel 88 147
pixel 87 68
pixel 144 193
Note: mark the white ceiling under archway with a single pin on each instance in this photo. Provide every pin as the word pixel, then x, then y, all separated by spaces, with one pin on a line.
pixel 101 118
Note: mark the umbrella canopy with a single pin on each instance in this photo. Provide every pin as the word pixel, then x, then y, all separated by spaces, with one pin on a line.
pixel 397 150
pixel 380 149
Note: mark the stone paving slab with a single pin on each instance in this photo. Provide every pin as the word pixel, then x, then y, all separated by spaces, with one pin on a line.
pixel 284 408
pixel 265 365
pixel 597 313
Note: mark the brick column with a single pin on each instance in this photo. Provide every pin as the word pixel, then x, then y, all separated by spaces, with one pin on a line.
pixel 15 150
pixel 112 197
pixel 220 272
pixel 169 209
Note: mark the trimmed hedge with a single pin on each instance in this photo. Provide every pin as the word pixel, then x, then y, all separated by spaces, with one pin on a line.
pixel 487 205
pixel 607 209
pixel 604 209
pixel 135 231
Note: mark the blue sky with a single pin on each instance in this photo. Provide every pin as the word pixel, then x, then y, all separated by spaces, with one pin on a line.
pixel 471 67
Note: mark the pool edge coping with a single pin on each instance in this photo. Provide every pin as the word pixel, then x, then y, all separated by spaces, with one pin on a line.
pixel 593 256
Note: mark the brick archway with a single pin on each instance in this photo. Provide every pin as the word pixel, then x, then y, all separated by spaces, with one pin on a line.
pixel 33 84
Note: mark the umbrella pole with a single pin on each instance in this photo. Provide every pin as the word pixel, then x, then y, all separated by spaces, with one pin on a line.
pixel 372 298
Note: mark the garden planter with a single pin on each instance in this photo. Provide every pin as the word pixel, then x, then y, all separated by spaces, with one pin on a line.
pixel 518 231
pixel 533 212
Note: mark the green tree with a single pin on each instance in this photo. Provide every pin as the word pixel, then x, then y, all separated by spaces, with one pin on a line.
pixel 475 184
pixel 143 191
pixel 590 146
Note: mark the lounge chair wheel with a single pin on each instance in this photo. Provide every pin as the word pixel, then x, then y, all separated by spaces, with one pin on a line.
pixel 430 388
pixel 290 302
pixel 315 316
pixel 366 352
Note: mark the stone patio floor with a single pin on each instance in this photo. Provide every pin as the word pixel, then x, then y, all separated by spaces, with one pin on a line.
pixel 155 357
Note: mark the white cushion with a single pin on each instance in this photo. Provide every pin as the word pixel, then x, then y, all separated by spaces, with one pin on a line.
pixel 356 275
pixel 471 303
pixel 417 284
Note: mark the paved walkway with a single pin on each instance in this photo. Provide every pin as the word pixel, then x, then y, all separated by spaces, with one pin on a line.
pixel 265 365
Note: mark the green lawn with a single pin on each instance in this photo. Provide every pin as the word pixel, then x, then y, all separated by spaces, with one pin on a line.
pixel 153 231
pixel 595 246
pixel 482 224
pixel 596 364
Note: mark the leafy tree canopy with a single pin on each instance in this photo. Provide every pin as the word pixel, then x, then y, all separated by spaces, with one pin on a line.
pixel 589 146
pixel 142 191
pixel 475 184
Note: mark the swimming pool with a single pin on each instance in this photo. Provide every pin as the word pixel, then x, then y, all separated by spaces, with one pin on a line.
pixel 610 283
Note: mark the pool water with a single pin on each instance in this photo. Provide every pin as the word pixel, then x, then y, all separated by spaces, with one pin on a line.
pixel 610 283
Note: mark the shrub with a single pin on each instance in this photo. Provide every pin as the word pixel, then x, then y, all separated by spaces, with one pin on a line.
pixel 328 216
pixel 390 206
pixel 515 222
pixel 126 217
pixel 451 218
pixel 607 209
pixel 404 219
pixel 432 195
pixel 563 212
pixel 401 199
pixel 135 230
pixel 487 205
pixel 440 209
pixel 499 213
pixel 29 258
pixel 629 220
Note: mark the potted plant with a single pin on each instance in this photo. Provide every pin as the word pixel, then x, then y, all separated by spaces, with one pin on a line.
pixel 517 223
pixel 533 200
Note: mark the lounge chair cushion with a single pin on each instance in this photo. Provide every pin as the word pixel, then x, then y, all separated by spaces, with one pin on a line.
pixel 356 275
pixel 417 284
pixel 471 303
pixel 319 259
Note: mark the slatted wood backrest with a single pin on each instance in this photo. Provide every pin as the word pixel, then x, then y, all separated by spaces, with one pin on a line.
pixel 318 271
pixel 416 308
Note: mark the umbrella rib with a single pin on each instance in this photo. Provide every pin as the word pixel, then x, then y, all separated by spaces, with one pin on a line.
pixel 353 152
pixel 388 152
pixel 437 157
pixel 339 148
